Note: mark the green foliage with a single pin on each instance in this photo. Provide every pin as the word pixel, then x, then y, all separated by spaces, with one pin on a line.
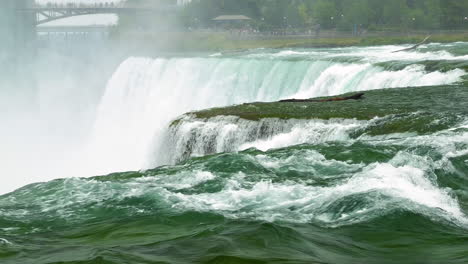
pixel 344 14
pixel 325 13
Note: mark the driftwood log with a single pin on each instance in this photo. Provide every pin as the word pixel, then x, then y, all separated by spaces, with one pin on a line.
pixel 415 46
pixel 357 96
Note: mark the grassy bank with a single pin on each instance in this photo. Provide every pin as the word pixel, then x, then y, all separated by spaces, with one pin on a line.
pixel 205 42
pixel 396 101
pixel 223 43
pixel 416 108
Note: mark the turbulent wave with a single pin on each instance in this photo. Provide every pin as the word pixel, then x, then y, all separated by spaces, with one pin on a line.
pixel 330 182
pixel 397 167
pixel 404 186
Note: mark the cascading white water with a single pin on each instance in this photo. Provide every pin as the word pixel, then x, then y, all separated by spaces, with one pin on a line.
pixel 144 95
pixel 195 137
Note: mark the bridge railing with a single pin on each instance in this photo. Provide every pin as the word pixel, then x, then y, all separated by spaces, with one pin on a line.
pixel 55 11
pixel 81 5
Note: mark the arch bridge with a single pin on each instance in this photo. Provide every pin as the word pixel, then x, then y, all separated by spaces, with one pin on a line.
pixel 50 13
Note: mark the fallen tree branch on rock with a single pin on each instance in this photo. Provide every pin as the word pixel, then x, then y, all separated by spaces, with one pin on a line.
pixel 415 46
pixel 358 96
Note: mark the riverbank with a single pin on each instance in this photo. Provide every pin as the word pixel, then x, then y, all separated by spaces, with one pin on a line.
pixel 144 43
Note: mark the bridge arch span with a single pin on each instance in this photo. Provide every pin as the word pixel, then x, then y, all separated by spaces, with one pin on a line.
pixel 49 14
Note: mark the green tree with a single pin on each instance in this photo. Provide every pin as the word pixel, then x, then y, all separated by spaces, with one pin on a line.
pixel 433 13
pixel 454 13
pixel 305 12
pixel 325 13
pixel 274 12
pixel 293 18
pixel 395 13
pixel 377 14
pixel 355 12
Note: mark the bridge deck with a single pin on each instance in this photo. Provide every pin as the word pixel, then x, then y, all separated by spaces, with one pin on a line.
pixel 96 10
pixel 71 29
pixel 48 14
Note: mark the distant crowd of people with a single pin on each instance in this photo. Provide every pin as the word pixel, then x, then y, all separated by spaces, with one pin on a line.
pixel 248 30
pixel 82 5
pixel 315 31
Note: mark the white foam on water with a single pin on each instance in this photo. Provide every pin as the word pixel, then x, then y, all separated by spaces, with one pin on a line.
pixel 387 53
pixel 179 181
pixel 387 188
pixel 312 132
pixel 414 75
pixel 374 54
pixel 339 79
pixel 197 137
pixel 311 162
pixel 450 143
pixel 4 242
pixel 405 183
pixel 336 79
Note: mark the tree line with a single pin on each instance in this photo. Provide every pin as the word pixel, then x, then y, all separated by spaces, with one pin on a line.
pixel 330 14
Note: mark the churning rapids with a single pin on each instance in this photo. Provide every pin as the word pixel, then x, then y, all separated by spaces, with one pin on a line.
pixel 391 189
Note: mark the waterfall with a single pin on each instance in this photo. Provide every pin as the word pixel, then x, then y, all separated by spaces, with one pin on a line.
pixel 127 128
pixel 144 95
